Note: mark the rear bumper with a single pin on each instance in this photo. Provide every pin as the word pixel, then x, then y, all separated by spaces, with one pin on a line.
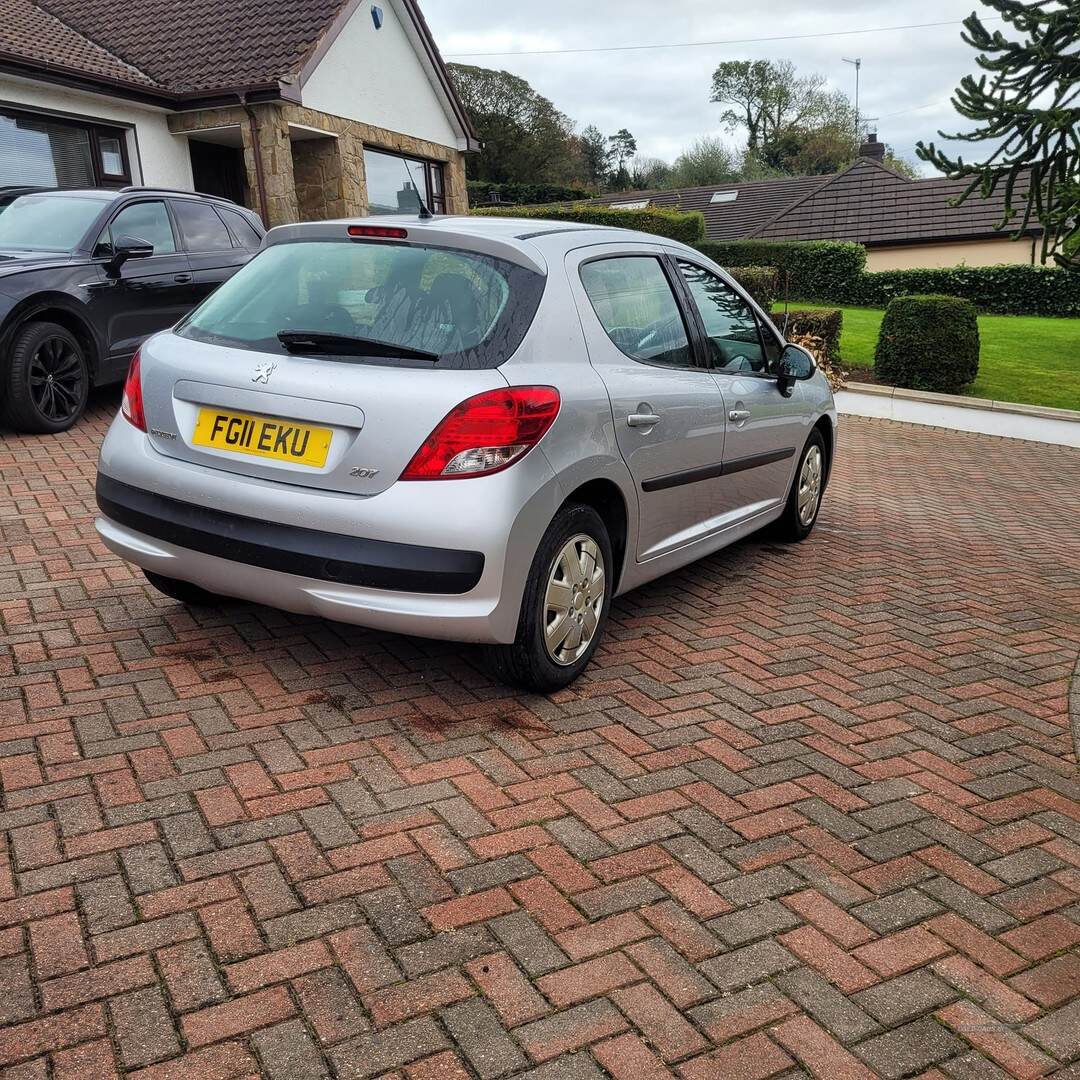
pixel 289 549
pixel 460 576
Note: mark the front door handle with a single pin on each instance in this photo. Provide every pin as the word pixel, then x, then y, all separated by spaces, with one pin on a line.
pixel 642 420
pixel 737 416
pixel 182 279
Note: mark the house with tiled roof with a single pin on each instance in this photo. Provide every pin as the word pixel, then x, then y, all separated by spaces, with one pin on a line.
pixel 300 109
pixel 902 222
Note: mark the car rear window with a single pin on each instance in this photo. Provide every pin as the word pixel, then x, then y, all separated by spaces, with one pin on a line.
pixel 471 310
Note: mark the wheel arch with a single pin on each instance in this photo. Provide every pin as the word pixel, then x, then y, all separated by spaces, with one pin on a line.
pixel 828 435
pixel 607 499
pixel 57 308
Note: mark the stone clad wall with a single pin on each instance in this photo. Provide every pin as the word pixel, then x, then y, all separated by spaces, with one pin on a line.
pixel 318 178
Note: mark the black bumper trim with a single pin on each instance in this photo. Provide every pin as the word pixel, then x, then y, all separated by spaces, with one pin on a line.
pixel 344 560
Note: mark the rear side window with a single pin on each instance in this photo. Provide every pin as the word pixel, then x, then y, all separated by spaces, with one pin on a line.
pixel 147 221
pixel 471 310
pixel 243 232
pixel 200 227
pixel 633 300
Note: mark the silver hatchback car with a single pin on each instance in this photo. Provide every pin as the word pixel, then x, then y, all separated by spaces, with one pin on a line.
pixel 480 429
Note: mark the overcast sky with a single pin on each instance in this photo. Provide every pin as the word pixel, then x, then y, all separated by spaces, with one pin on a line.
pixel 662 95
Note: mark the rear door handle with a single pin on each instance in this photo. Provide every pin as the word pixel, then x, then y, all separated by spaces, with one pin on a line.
pixel 182 279
pixel 737 416
pixel 642 420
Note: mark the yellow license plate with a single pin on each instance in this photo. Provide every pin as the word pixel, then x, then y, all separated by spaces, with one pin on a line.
pixel 262 436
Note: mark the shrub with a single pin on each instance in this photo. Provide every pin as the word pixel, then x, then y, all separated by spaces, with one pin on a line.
pixel 928 343
pixel 482 190
pixel 808 269
pixel 686 228
pixel 820 325
pixel 996 290
pixel 758 281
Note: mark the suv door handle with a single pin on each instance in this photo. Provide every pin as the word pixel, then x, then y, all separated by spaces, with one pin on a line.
pixel 642 419
pixel 737 416
pixel 182 279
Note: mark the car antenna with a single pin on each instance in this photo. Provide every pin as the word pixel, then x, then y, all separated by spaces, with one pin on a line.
pixel 425 213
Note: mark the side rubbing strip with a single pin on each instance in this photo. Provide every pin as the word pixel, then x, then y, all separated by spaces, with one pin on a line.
pixel 710 472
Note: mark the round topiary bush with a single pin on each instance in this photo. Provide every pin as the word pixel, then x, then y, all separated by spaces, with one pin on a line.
pixel 928 343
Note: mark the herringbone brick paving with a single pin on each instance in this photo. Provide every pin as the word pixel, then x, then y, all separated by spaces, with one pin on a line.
pixel 814 809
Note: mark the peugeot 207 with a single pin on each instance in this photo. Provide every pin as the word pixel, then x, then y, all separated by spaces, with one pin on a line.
pixel 480 429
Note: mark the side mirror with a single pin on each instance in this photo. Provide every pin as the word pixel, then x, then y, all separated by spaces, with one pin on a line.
pixel 128 247
pixel 795 364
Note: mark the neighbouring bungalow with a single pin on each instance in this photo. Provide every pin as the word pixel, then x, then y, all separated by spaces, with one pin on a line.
pixel 903 223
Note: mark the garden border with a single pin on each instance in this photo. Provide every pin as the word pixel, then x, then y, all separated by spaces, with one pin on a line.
pixel 1037 423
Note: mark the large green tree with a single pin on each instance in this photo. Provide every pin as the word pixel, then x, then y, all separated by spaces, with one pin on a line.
pixel 525 139
pixel 707 160
pixel 1027 106
pixel 595 156
pixel 769 98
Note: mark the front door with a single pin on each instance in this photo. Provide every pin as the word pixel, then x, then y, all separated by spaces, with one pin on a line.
pixel 765 431
pixel 667 408
pixel 145 295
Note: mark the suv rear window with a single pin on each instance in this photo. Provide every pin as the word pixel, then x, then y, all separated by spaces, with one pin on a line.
pixel 471 310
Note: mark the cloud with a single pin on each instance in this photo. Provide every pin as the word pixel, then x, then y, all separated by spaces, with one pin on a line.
pixel 662 95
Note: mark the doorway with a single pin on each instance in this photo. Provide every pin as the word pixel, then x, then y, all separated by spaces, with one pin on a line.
pixel 218 169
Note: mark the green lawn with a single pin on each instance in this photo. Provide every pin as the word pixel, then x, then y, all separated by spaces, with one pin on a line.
pixel 1031 360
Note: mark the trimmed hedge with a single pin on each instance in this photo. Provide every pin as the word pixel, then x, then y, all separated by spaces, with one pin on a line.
pixel 686 228
pixel 996 290
pixel 482 190
pixel 824 325
pixel 759 281
pixel 928 343
pixel 834 272
pixel 808 269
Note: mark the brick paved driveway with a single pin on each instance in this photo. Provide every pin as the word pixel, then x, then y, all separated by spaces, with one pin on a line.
pixel 815 809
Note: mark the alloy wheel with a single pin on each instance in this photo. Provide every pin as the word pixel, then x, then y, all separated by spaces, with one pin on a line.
pixel 810 485
pixel 56 379
pixel 574 599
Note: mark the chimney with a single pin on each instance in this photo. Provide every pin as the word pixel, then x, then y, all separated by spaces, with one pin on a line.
pixel 872 148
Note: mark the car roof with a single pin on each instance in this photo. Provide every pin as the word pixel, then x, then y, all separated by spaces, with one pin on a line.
pixel 117 193
pixel 527 241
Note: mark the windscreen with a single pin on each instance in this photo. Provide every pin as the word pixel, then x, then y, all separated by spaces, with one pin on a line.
pixel 48 222
pixel 470 310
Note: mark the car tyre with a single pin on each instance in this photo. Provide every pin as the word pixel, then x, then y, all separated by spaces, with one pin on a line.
pixel 807 488
pixel 186 592
pixel 48 379
pixel 565 606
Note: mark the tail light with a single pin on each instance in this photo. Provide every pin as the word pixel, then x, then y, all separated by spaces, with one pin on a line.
pixel 132 404
pixel 485 434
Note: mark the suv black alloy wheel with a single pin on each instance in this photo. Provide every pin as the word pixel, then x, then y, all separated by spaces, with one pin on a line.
pixel 48 380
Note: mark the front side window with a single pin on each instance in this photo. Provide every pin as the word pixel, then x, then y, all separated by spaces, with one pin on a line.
pixel 48 222
pixel 200 226
pixel 633 300
pixel 730 325
pixel 147 221
pixel 466 309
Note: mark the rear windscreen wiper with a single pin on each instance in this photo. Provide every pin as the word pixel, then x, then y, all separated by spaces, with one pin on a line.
pixel 318 341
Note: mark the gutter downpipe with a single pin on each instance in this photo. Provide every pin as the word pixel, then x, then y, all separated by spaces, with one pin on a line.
pixel 260 180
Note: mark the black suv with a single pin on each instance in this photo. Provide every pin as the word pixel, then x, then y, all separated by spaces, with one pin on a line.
pixel 86 276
